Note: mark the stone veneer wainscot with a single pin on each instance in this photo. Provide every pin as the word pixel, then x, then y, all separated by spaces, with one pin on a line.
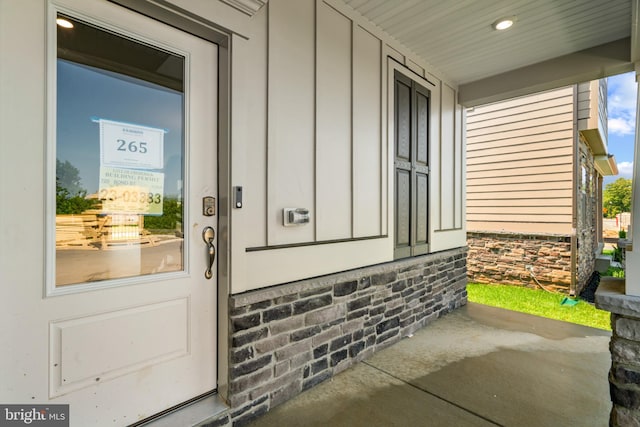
pixel 503 257
pixel 624 376
pixel 289 338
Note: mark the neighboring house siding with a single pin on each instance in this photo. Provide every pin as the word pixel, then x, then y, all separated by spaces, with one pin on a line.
pixel 519 164
pixel 588 216
pixel 529 160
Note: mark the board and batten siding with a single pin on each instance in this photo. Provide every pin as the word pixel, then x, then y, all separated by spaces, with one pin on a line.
pixel 520 164
pixel 311 125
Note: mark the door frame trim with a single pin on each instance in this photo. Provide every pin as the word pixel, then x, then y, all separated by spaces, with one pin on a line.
pixel 188 22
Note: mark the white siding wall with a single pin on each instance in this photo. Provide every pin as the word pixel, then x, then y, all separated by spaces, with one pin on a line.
pixel 310 128
pixel 334 210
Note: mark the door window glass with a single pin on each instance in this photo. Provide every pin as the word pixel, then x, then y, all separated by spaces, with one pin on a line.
pixel 119 156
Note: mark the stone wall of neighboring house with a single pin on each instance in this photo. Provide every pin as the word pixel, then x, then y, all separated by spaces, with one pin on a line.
pixel 505 257
pixel 588 214
pixel 290 337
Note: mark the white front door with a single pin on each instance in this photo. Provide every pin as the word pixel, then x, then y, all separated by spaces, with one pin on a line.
pixel 117 313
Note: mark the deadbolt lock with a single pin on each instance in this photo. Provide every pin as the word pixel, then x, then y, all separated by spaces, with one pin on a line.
pixel 208 206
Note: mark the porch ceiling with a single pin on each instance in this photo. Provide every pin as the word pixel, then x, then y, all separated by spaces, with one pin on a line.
pixel 551 44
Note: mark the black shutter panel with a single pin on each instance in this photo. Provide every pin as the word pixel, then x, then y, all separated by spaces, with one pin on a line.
pixel 411 167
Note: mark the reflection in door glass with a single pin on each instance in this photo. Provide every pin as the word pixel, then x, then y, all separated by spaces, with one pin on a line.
pixel 119 156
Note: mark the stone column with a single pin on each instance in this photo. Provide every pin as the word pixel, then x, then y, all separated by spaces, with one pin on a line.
pixel 624 376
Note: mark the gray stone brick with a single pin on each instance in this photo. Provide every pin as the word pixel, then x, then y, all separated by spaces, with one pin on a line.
pixel 356 348
pixel 384 337
pixel 249 367
pixel 623 417
pixel 364 283
pixel 383 278
pixel 301 359
pixel 241 355
pixel 237 400
pixel 407 292
pixel 281 368
pixel 320 351
pixel 277 313
pixel 338 356
pixel 387 325
pixel 292 349
pixel 352 326
pixel 327 335
pixel 377 310
pixel 270 344
pixel 266 389
pixel 311 304
pixel 406 314
pixel 286 298
pixel 399 286
pixel 248 407
pixel 357 314
pixel 627 328
pixel 259 305
pixel 286 325
pixel 393 312
pixel 407 322
pixel 325 315
pixel 245 322
pixel 345 288
pixel 241 339
pixel 305 333
pixel 340 342
pixel 374 320
pixel 626 397
pixel 247 382
pixel 359 303
pixel 319 365
pixel 624 375
pixel 238 311
pixel 317 291
pixel 394 302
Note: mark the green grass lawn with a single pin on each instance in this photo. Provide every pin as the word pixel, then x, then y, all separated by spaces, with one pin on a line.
pixel 539 303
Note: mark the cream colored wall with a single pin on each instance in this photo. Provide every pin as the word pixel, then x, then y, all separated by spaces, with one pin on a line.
pixel 519 164
pixel 311 128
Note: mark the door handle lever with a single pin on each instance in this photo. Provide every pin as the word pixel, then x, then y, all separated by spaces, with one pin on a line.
pixel 208 234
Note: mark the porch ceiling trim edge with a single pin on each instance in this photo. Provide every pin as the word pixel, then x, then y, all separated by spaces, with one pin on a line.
pixel 590 64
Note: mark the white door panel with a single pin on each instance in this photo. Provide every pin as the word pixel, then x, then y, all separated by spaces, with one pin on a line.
pixel 105 305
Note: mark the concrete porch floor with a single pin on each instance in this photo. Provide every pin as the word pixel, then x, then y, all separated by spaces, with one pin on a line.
pixel 477 366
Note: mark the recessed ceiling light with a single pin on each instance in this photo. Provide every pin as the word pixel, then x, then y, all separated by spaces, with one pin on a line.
pixel 503 23
pixel 64 23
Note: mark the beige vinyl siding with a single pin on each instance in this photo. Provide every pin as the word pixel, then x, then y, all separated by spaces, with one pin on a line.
pixel 519 164
pixel 592 114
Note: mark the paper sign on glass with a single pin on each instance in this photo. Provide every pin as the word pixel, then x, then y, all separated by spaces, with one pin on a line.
pixel 130 191
pixel 130 146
